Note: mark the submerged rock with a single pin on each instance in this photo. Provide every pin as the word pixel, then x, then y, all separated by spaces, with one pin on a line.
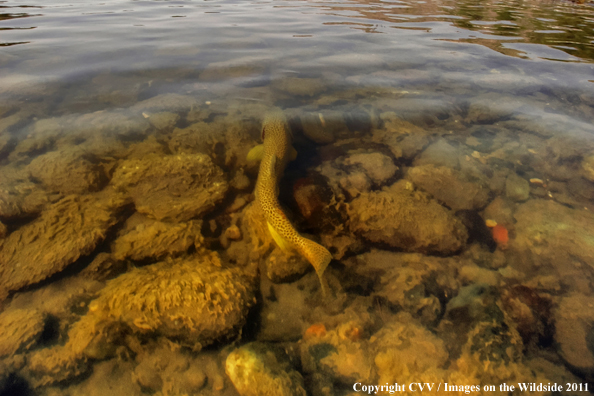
pixel 169 102
pixel 404 139
pixel 553 237
pixel 296 86
pixel 283 267
pixel 574 320
pixel 588 167
pixel 517 188
pixel 20 329
pixel 227 140
pixel 68 171
pixel 65 231
pixel 144 238
pixel 410 281
pixel 19 197
pixel 492 107
pixel 377 166
pixel 172 188
pixel 170 371
pixel 340 352
pixel 448 186
pixel 322 127
pixel 358 172
pixel 408 351
pixel 406 220
pixel 258 370
pixel 194 300
pixel 439 153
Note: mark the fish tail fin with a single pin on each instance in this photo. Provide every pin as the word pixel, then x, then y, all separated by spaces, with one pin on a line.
pixel 256 153
pixel 319 257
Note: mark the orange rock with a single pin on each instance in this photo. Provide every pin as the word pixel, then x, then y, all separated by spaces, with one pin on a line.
pixel 315 330
pixel 500 235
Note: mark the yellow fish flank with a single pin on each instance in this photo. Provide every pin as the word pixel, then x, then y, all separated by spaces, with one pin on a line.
pixel 275 153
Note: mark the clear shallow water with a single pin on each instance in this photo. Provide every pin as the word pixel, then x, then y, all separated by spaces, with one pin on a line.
pixel 481 109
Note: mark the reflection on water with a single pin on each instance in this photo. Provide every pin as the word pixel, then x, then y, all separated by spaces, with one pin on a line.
pixel 445 158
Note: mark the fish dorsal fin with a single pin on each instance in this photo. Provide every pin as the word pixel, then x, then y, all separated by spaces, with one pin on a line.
pixel 280 241
pixel 256 153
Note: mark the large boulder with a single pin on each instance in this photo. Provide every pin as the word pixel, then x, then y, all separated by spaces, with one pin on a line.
pixel 65 231
pixel 174 187
pixel 194 300
pixel 406 220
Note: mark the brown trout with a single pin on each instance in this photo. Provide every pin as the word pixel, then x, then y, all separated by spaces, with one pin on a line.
pixel 275 153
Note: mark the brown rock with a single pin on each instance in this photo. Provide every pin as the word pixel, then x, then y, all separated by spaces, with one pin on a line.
pixel 68 171
pixel 574 319
pixel 257 369
pixel 195 300
pixel 143 238
pixel 282 267
pixel 440 153
pixel 169 102
pixel 20 330
pixel 65 231
pixel 296 86
pixel 404 139
pixel 227 141
pixel 553 237
pixel 402 279
pixel 448 186
pixel 172 188
pixel 407 220
pixel 320 130
pixel 103 267
pixel 19 197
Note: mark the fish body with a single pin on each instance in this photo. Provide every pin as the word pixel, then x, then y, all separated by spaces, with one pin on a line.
pixel 275 154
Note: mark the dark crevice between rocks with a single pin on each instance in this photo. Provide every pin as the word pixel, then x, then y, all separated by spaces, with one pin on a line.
pixel 14 385
pixel 14 223
pixel 51 332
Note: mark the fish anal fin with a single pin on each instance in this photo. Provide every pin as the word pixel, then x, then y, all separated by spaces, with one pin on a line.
pixel 256 153
pixel 280 241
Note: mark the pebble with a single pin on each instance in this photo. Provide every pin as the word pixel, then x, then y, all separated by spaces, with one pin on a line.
pixel 233 232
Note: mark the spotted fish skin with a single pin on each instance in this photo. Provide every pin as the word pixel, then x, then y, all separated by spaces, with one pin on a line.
pixel 277 153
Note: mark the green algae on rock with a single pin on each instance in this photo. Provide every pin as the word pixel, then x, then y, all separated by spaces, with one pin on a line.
pixel 174 187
